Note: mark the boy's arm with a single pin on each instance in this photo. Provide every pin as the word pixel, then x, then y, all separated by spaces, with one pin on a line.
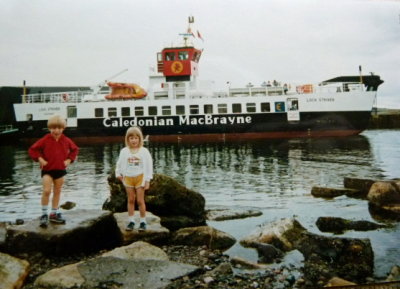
pixel 73 151
pixel 35 151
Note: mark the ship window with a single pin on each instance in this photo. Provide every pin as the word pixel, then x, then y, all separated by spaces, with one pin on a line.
pixel 222 108
pixel 251 107
pixel 170 56
pixel 265 107
pixel 236 107
pixel 29 117
pixel 194 109
pixel 208 108
pixel 183 55
pixel 125 111
pixel 139 110
pixel 112 112
pixel 180 109
pixel 98 112
pixel 71 111
pixel 152 110
pixel 166 110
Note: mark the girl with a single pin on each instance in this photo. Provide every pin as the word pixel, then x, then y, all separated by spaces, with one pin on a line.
pixel 135 170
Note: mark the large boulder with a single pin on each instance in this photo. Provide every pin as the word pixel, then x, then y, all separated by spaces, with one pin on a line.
pixel 384 193
pixel 282 234
pixel 86 231
pixel 203 235
pixel 13 272
pixel 361 185
pixel 326 257
pixel 176 205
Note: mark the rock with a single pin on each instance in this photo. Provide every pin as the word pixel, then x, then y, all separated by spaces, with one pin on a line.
pixel 68 205
pixel 384 193
pixel 155 233
pixel 228 213
pixel 203 235
pixel 321 192
pixel 222 269
pixel 339 225
pixel 385 213
pixel 246 264
pixel 336 281
pixel 70 276
pixel 86 231
pixel 13 272
pixel 394 274
pixel 267 253
pixel 361 185
pixel 3 234
pixel 282 234
pixel 326 257
pixel 176 205
pixel 137 250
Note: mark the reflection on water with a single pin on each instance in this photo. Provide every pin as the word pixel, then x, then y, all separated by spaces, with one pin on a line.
pixel 274 176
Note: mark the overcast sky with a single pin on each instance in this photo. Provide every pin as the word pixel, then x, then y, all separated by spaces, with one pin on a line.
pixel 84 42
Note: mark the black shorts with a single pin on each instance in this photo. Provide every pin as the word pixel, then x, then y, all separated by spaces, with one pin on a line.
pixel 55 174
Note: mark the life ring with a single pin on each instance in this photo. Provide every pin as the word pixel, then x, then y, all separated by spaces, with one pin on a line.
pixel 65 97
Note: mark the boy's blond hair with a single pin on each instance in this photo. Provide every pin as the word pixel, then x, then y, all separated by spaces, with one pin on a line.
pixel 56 121
pixel 134 131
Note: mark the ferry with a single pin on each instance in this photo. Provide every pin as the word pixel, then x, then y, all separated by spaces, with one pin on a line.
pixel 176 106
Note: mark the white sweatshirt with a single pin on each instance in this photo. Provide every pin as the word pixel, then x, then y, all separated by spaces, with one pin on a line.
pixel 133 164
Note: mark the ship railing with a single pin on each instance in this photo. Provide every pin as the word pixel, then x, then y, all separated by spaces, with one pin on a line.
pixel 257 91
pixel 57 97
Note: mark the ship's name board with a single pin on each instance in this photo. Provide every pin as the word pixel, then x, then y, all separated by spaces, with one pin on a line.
pixel 181 120
pixel 320 99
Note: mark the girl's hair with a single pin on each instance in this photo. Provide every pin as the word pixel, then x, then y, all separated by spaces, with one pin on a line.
pixel 134 131
pixel 56 121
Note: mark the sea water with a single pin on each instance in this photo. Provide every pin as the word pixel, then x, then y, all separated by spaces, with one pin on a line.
pixel 272 176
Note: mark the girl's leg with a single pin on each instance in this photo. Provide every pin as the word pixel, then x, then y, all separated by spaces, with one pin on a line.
pixel 131 200
pixel 140 201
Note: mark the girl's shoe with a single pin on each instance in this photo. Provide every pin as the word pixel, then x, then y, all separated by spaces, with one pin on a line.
pixel 130 226
pixel 142 226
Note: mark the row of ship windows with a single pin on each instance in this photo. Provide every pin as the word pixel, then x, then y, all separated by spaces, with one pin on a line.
pixel 181 109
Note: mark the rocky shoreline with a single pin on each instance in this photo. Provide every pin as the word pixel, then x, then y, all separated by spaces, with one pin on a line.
pixel 179 250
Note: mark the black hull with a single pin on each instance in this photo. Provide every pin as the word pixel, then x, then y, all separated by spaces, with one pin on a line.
pixel 195 127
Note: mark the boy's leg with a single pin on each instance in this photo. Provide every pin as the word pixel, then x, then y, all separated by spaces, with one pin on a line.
pixel 47 182
pixel 55 216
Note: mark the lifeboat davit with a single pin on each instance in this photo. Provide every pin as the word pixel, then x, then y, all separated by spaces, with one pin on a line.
pixel 120 90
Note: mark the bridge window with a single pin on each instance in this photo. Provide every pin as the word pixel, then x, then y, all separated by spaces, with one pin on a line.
pixel 98 112
pixel 251 107
pixel 170 56
pixel 125 111
pixel 166 110
pixel 139 111
pixel 180 109
pixel 112 112
pixel 236 107
pixel 183 55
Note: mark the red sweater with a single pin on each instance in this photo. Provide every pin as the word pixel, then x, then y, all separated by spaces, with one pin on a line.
pixel 53 151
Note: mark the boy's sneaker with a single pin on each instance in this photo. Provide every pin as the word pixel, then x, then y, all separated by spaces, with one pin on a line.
pixel 142 226
pixel 57 218
pixel 44 220
pixel 130 226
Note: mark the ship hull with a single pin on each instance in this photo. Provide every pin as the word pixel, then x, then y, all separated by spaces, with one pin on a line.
pixel 211 128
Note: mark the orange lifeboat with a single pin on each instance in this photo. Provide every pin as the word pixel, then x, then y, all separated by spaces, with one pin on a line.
pixel 120 90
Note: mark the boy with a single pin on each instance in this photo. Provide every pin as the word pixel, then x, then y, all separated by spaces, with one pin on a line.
pixel 54 152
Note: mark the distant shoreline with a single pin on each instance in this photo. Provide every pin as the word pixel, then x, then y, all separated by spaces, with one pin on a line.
pixel 384 118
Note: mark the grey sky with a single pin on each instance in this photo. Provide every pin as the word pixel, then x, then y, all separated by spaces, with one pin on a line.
pixel 82 42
